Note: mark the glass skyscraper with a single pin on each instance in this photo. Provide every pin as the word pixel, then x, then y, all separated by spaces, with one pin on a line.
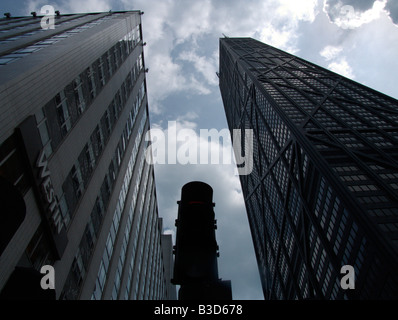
pixel 74 114
pixel 323 192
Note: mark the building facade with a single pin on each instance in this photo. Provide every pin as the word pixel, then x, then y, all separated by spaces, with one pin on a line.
pixel 323 192
pixel 74 115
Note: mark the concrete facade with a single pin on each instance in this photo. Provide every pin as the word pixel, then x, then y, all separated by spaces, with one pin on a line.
pixel 94 216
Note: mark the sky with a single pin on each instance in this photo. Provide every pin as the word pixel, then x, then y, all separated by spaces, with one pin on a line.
pixel 355 38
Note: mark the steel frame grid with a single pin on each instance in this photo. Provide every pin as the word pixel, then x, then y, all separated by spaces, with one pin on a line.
pixel 240 70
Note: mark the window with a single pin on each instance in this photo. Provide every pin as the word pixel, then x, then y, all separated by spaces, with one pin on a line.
pixel 116 53
pixel 110 62
pixel 91 82
pixel 63 112
pixel 79 97
pixel 140 63
pixel 101 72
pixel 43 131
pixel 63 206
pixel 7 59
pixel 77 180
pixel 88 149
pixel 98 141
pixel 29 49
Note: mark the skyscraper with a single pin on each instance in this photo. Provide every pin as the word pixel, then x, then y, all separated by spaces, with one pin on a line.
pixel 73 120
pixel 323 192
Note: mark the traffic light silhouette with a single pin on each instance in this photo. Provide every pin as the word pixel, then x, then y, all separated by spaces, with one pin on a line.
pixel 196 249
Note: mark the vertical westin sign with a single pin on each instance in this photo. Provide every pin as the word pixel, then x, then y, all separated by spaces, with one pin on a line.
pixel 44 191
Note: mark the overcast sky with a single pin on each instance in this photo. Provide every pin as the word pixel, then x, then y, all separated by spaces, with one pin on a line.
pixel 356 38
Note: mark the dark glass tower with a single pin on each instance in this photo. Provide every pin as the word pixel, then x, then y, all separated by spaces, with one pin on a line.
pixel 323 192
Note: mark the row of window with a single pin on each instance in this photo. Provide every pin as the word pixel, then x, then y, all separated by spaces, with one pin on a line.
pixel 20 53
pixel 62 112
pixel 128 234
pixel 107 254
pixel 82 170
pixel 364 188
pixel 83 255
pixel 141 272
pixel 139 206
pixel 157 288
pixel 35 27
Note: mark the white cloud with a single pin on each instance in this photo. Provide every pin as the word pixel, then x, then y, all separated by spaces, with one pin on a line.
pixel 173 23
pixel 166 77
pixel 71 6
pixel 194 19
pixel 330 52
pixel 278 37
pixel 280 30
pixel 348 16
pixel 206 66
pixel 368 52
pixel 298 9
pixel 342 67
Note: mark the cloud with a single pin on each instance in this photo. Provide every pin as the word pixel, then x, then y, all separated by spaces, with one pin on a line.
pixel 194 19
pixel 330 52
pixel 71 6
pixel 351 14
pixel 342 67
pixel 177 31
pixel 206 66
pixel 166 77
pixel 367 52
pixel 392 9
pixel 281 29
pixel 338 64
pixel 278 37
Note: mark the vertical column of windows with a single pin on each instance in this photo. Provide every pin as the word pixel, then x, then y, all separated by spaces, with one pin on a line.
pixel 83 168
pixel 102 274
pixel 126 237
pixel 72 287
